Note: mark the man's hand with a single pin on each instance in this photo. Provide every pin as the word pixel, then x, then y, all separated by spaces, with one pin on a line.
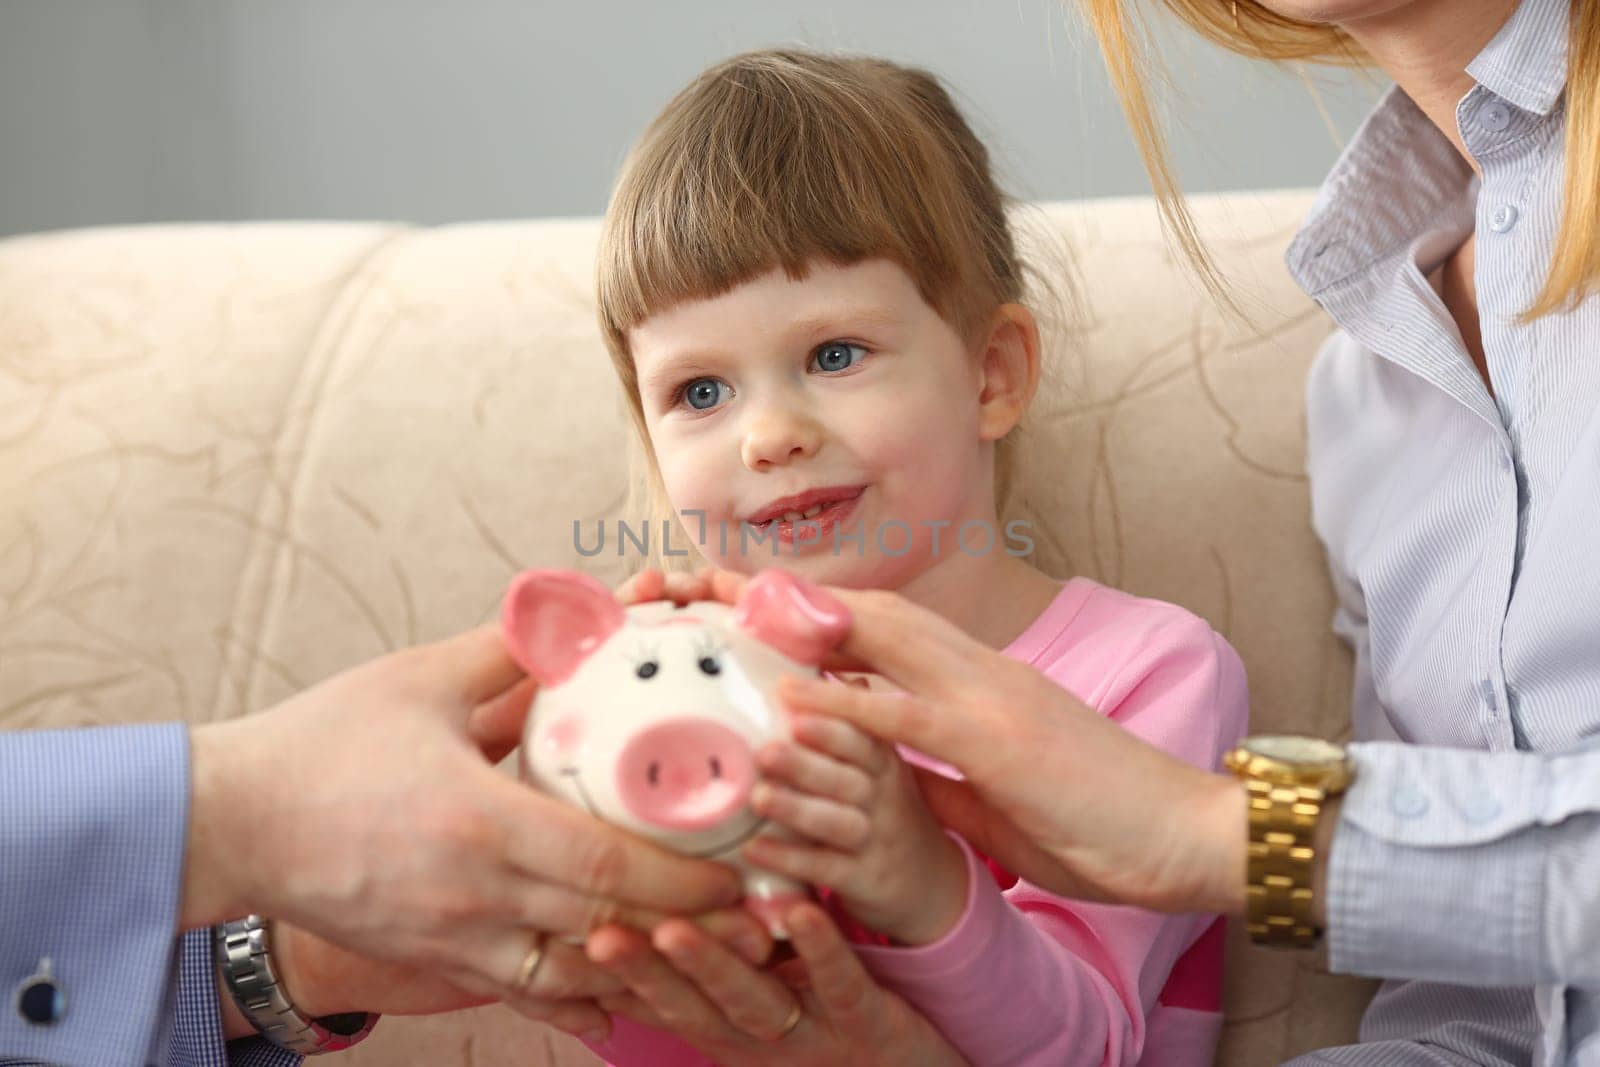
pixel 367 810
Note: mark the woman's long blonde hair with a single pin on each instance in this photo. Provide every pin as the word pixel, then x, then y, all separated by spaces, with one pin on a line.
pixel 1252 30
pixel 783 157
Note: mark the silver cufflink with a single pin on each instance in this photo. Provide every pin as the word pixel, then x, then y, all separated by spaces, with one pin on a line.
pixel 39 999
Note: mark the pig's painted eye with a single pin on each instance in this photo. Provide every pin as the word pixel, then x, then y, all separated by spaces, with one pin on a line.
pixel 710 665
pixel 647 669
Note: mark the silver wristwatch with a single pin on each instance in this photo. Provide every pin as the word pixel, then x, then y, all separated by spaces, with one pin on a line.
pixel 244 956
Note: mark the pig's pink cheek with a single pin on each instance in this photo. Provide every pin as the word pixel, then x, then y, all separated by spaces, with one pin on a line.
pixel 562 737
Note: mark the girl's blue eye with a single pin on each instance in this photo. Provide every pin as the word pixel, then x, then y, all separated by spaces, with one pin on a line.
pixel 836 356
pixel 703 394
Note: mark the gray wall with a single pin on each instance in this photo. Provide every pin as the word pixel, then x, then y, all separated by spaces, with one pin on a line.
pixel 116 111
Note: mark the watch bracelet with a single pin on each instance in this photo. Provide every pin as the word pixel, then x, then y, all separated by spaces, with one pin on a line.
pixel 1280 857
pixel 243 954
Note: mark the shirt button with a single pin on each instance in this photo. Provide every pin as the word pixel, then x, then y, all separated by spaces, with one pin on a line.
pixel 1487 688
pixel 39 1000
pixel 1409 802
pixel 1504 456
pixel 1494 117
pixel 1480 808
pixel 1504 217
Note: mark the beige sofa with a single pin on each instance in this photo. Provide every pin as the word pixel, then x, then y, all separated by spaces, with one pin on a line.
pixel 235 459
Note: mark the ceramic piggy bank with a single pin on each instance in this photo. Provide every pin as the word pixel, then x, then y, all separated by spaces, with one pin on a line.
pixel 650 716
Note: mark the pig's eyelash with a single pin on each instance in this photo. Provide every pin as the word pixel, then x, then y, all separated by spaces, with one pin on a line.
pixel 646 660
pixel 707 645
pixel 644 654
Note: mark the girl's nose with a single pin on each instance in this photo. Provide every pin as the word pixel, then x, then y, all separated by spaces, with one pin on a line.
pixel 776 436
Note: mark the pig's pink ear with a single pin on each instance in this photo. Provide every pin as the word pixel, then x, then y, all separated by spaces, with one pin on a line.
pixel 799 619
pixel 552 620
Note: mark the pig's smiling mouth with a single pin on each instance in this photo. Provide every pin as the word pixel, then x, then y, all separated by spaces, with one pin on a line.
pixel 738 839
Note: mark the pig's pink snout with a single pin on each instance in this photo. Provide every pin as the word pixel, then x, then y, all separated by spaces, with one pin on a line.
pixel 685 774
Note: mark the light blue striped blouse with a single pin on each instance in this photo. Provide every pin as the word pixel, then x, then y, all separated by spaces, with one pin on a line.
pixel 1463 532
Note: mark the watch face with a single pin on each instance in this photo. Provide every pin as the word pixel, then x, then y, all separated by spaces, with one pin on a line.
pixel 1295 750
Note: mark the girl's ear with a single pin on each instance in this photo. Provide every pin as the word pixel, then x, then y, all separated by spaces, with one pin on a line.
pixel 1008 367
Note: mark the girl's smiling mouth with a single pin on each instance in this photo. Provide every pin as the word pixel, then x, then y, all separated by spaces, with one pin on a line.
pixel 809 517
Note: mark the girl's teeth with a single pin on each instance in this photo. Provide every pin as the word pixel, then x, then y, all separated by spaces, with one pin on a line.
pixel 796 516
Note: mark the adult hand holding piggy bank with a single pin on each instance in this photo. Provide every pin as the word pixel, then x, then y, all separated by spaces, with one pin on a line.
pixel 649 716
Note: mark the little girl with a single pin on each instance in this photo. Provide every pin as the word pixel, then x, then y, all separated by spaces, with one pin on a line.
pixel 810 292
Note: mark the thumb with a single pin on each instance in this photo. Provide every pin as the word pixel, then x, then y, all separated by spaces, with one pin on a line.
pixel 475 665
pixel 962 808
pixel 496 727
pixel 956 804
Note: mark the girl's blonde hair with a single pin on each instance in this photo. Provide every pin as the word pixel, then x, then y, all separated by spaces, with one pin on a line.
pixel 780 158
pixel 1250 29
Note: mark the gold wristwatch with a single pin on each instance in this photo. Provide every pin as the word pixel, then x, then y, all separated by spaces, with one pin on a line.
pixel 1289 779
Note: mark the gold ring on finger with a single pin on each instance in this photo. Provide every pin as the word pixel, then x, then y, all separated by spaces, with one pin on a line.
pixel 796 1013
pixel 531 963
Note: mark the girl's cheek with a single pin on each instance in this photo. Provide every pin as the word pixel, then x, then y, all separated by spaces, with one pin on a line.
pixel 692 485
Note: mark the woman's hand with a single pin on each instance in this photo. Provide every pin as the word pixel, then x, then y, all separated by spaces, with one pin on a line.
pixel 821 1007
pixel 367 810
pixel 1054 791
pixel 866 833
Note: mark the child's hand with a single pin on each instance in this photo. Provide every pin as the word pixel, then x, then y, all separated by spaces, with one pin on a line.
pixel 867 834
pixel 821 1007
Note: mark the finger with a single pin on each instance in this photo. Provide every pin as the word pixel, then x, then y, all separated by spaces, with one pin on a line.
pixel 571 916
pixel 901 717
pixel 685 588
pixel 554 842
pixel 476 665
pixel 644 586
pixel 845 993
pixel 739 930
pixel 915 648
pixel 496 727
pixel 500 962
pixel 579 1018
pixel 803 863
pixel 816 773
pixel 631 1007
pixel 750 1001
pixel 567 973
pixel 648 975
pixel 963 809
pixel 841 740
pixel 821 819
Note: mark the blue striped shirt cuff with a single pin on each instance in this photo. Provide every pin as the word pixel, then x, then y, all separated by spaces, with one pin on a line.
pixel 197 1039
pixel 91 866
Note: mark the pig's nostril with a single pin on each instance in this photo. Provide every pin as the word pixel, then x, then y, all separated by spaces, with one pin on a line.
pixel 685 774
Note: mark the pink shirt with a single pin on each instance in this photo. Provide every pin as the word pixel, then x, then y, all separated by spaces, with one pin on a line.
pixel 1025 976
